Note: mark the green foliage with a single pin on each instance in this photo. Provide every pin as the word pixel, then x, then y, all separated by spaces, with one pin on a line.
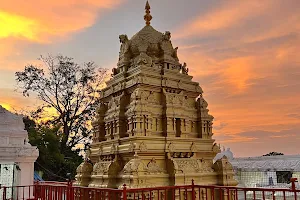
pixel 51 161
pixel 274 154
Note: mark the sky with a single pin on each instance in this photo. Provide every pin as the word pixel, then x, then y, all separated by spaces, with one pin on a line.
pixel 245 55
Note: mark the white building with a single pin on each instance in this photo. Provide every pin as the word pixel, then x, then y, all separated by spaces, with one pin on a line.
pixel 264 171
pixel 17 156
pixel 267 171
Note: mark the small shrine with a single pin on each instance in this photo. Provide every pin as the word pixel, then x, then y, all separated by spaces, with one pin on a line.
pixel 153 126
pixel 17 156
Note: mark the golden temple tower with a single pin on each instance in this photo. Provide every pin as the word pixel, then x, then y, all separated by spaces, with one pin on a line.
pixel 152 126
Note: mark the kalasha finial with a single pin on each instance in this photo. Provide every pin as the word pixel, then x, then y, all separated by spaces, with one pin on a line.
pixel 147 16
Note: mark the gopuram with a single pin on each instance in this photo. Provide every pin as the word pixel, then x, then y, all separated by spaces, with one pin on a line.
pixel 152 126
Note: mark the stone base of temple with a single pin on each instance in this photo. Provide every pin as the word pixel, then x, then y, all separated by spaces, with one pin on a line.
pixel 157 161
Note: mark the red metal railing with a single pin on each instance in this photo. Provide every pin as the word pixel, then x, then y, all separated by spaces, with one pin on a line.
pixel 17 192
pixel 66 191
pixel 52 182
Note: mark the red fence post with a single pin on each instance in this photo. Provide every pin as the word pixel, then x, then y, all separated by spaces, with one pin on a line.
pixel 4 193
pixel 124 192
pixel 193 190
pixel 293 181
pixel 35 190
pixel 70 190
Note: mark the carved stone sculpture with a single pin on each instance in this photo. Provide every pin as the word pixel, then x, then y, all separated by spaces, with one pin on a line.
pixel 143 60
pixel 153 167
pixel 124 55
pixel 84 171
pixel 170 54
pixel 175 54
pixel 184 69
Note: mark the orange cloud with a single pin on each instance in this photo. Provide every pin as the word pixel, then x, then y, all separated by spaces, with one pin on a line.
pixel 239 139
pixel 14 101
pixel 229 14
pixel 258 142
pixel 286 22
pixel 283 136
pixel 234 71
pixel 250 85
pixel 238 71
pixel 12 66
pixel 42 20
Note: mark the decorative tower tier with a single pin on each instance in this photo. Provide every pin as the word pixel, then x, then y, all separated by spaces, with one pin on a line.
pixel 153 126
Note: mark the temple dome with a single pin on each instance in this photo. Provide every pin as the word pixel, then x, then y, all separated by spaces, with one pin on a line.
pixel 149 34
pixel 147 47
pixel 146 40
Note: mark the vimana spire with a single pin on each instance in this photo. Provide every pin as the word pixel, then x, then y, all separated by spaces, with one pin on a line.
pixel 147 16
pixel 152 126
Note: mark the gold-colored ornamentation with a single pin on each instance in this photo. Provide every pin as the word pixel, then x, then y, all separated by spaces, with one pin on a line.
pixel 153 167
pixel 193 147
pixel 143 147
pixel 171 147
pixel 147 16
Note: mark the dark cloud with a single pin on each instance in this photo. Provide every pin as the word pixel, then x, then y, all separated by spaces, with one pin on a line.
pixel 220 126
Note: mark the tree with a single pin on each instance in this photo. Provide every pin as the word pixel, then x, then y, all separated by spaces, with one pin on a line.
pixel 70 89
pixel 273 154
pixel 54 164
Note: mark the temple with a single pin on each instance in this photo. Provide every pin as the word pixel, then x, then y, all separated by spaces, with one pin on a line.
pixel 153 127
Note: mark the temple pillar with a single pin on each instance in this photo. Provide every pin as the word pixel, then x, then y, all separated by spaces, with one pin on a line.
pixel 170 127
pixel 116 133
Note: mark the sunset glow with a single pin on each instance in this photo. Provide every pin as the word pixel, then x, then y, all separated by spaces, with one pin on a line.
pixel 6 106
pixel 16 26
pixel 244 54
